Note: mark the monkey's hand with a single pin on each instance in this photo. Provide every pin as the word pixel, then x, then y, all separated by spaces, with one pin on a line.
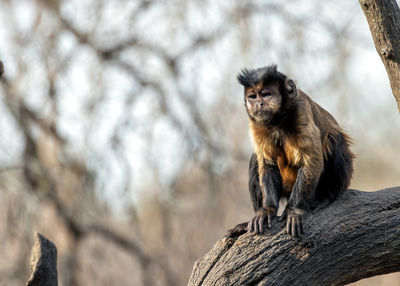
pixel 257 223
pixel 294 226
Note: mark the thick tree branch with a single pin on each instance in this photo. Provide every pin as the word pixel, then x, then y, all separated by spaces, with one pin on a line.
pixel 383 18
pixel 355 237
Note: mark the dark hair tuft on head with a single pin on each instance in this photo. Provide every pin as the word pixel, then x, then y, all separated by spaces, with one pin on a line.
pixel 250 77
pixel 246 77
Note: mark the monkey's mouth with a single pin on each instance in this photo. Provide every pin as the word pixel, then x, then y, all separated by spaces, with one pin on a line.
pixel 260 114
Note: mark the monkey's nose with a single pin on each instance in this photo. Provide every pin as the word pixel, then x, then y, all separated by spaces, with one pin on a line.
pixel 261 104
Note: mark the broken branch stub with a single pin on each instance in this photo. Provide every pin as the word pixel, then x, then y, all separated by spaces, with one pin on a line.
pixel 43 263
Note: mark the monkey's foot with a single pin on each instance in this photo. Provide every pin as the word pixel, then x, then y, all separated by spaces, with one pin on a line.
pixel 257 223
pixel 238 230
pixel 294 226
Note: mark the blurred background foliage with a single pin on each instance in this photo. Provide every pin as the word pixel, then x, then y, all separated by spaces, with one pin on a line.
pixel 124 138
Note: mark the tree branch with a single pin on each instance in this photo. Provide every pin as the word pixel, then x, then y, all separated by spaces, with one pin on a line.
pixel 355 237
pixel 43 263
pixel 1 69
pixel 383 18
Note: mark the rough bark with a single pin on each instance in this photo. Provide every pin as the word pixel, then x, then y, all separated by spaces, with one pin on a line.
pixel 383 18
pixel 355 237
pixel 43 263
pixel 1 69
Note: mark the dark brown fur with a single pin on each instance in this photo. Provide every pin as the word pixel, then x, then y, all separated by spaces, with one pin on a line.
pixel 300 152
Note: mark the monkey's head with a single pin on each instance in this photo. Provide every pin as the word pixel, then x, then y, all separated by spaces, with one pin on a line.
pixel 267 92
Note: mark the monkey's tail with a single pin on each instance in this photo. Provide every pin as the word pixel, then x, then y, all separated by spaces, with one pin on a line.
pixel 338 168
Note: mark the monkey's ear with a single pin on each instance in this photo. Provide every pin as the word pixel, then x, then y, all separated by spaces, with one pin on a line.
pixel 291 88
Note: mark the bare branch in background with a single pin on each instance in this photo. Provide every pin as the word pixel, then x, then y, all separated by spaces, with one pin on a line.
pixel 123 132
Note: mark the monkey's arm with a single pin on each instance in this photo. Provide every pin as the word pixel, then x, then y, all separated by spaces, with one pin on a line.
pixel 256 197
pixel 265 200
pixel 269 186
pixel 254 184
pixel 303 192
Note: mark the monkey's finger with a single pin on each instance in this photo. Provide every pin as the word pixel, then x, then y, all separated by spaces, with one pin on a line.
pixel 260 224
pixel 250 226
pixel 299 226
pixel 288 225
pixel 293 222
pixel 256 225
pixel 269 220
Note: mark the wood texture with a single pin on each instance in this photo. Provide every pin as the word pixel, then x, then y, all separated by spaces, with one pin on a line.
pixel 1 69
pixel 43 263
pixel 383 18
pixel 355 237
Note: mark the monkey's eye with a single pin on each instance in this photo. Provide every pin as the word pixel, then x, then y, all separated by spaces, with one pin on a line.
pixel 265 93
pixel 252 95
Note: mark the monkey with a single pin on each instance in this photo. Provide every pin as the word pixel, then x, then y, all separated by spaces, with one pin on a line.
pixel 301 154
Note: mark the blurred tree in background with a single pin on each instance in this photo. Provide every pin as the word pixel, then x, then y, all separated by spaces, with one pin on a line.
pixel 123 133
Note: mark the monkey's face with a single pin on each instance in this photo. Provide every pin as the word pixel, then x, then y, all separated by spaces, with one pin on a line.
pixel 262 101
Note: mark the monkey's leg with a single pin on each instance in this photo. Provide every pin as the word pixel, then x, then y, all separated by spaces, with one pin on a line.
pixel 271 186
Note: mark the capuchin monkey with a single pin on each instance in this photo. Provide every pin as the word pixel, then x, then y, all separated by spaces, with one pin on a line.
pixel 300 153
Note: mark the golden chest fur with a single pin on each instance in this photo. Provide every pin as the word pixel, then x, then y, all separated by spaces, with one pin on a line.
pixel 273 147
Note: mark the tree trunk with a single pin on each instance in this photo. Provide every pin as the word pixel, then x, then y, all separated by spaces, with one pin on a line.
pixel 1 69
pixel 355 237
pixel 383 18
